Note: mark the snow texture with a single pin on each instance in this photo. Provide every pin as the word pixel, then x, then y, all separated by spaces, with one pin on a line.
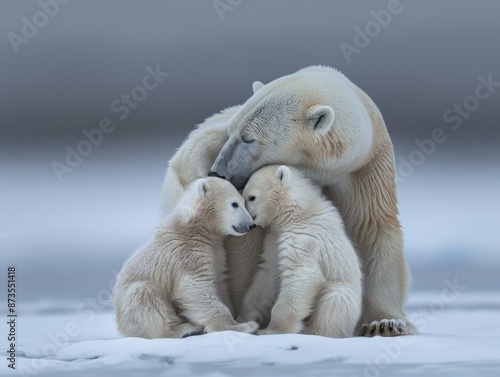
pixel 460 336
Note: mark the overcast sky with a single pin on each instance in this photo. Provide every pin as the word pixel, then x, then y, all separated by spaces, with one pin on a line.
pixel 63 76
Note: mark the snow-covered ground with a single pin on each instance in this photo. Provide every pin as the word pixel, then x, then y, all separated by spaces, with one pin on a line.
pixel 460 336
pixel 69 238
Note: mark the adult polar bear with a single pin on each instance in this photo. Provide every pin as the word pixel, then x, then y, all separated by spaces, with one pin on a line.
pixel 319 121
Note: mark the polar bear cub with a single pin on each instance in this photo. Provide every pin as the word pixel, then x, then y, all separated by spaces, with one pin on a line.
pixel 310 279
pixel 173 286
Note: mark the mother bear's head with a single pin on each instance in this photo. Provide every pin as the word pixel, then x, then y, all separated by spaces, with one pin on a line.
pixel 311 119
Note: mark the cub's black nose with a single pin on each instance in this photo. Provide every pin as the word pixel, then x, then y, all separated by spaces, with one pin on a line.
pixel 214 174
pixel 253 226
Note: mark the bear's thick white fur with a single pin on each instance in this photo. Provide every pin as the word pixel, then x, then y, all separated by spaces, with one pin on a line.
pixel 320 122
pixel 174 285
pixel 310 274
pixel 195 157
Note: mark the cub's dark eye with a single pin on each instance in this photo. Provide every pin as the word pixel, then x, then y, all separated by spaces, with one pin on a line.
pixel 251 198
pixel 234 204
pixel 246 139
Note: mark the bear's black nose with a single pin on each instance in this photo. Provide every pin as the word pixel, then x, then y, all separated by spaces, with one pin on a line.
pixel 253 226
pixel 214 174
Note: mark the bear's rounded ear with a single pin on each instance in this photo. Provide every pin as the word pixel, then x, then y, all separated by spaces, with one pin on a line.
pixel 201 187
pixel 320 118
pixel 284 174
pixel 256 86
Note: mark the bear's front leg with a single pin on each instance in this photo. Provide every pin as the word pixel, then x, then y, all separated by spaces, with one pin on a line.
pixel 242 256
pixel 386 278
pixel 368 204
pixel 299 289
pixel 259 299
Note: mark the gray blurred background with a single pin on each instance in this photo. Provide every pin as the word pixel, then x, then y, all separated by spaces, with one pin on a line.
pixel 63 66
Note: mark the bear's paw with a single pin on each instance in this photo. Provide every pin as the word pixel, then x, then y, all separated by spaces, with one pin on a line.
pixel 387 327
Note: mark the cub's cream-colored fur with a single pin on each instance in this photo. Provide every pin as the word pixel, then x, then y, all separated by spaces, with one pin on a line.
pixel 310 279
pixel 174 285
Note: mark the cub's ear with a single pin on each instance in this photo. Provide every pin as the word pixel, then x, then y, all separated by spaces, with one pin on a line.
pixel 256 86
pixel 201 187
pixel 320 118
pixel 284 174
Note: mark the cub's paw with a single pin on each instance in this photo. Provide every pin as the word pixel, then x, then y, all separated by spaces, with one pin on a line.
pixel 386 327
pixel 194 331
pixel 248 327
pixel 251 316
pixel 189 329
pixel 268 332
